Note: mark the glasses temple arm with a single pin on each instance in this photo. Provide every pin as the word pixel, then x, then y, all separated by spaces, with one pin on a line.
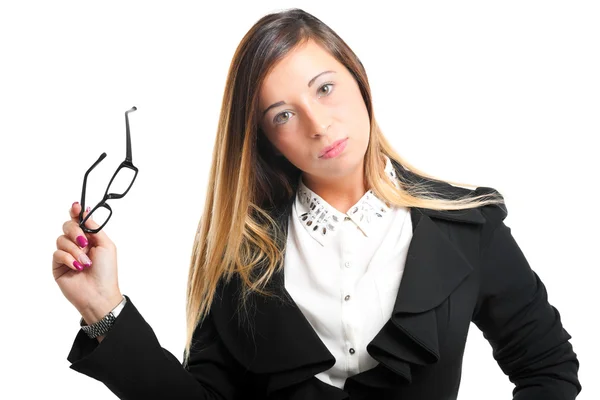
pixel 128 153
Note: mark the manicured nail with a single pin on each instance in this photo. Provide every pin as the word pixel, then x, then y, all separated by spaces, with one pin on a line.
pixel 88 208
pixel 74 203
pixel 85 260
pixel 81 241
pixel 77 265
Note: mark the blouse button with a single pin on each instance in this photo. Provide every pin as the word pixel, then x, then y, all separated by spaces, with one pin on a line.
pixel 351 351
pixel 347 264
pixel 347 297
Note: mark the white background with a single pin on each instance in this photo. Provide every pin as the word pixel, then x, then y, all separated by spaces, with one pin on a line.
pixel 501 94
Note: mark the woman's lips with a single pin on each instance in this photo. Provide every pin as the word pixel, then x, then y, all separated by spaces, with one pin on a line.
pixel 334 150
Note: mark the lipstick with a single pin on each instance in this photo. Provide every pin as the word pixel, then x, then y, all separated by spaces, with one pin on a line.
pixel 334 150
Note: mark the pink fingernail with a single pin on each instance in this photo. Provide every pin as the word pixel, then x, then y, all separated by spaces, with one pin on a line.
pixel 77 265
pixel 81 241
pixel 87 209
pixel 85 260
pixel 74 203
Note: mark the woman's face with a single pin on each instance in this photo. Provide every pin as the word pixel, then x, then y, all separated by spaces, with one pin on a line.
pixel 313 102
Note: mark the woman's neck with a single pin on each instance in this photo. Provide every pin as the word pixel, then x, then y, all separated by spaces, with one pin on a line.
pixel 340 192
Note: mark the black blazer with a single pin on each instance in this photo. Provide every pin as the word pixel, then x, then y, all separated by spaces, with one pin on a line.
pixel 462 266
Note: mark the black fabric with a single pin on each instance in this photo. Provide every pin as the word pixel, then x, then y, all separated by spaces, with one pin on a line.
pixel 462 266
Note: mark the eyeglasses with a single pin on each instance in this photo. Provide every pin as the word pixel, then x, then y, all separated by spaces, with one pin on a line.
pixel 119 187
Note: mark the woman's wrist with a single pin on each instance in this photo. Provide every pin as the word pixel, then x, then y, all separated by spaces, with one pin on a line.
pixel 99 308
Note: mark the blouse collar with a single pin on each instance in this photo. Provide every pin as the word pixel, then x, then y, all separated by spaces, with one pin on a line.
pixel 322 221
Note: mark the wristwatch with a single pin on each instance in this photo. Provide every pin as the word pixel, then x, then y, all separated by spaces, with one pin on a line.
pixel 103 326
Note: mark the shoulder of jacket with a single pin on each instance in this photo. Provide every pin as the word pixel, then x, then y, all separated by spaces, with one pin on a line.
pixel 490 214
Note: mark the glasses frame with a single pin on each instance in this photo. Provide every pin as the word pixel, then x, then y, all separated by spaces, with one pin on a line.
pixel 108 196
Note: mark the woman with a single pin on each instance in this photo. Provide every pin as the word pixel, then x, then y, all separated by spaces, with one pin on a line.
pixel 324 265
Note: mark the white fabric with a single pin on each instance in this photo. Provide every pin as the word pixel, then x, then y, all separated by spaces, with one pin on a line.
pixel 331 255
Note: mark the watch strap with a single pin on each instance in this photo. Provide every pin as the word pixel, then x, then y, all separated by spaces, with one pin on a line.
pixel 102 327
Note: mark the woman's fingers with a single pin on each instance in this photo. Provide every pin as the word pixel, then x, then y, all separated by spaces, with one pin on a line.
pixel 61 258
pixel 72 231
pixel 74 245
pixel 79 260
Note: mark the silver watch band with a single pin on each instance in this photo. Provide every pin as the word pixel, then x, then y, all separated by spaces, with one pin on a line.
pixel 103 326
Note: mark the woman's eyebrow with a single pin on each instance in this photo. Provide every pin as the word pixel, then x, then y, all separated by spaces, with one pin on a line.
pixel 318 75
pixel 280 103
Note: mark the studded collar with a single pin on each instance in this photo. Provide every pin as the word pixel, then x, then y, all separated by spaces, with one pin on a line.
pixel 322 221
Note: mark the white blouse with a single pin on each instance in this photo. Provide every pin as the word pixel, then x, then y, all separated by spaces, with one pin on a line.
pixel 344 270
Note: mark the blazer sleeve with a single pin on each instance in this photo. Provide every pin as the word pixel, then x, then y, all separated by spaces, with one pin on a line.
pixel 525 331
pixel 133 365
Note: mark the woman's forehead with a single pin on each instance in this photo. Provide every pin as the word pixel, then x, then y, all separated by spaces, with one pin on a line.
pixel 297 68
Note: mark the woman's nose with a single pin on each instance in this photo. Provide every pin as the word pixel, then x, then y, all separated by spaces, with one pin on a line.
pixel 319 120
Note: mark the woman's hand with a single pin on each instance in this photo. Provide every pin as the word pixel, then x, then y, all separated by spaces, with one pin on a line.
pixel 85 268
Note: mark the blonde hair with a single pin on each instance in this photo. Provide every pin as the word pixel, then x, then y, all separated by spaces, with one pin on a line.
pixel 247 180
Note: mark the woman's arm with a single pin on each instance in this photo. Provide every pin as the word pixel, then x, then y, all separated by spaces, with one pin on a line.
pixel 133 365
pixel 524 330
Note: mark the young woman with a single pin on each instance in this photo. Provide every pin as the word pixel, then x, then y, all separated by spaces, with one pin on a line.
pixel 324 265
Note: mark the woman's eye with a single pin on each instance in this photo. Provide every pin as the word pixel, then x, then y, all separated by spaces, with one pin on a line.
pixel 282 117
pixel 326 89
pixel 285 116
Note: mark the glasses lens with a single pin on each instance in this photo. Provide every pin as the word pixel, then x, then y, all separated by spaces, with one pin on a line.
pixel 100 215
pixel 122 181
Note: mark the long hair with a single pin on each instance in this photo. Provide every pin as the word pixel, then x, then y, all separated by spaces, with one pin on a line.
pixel 247 181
